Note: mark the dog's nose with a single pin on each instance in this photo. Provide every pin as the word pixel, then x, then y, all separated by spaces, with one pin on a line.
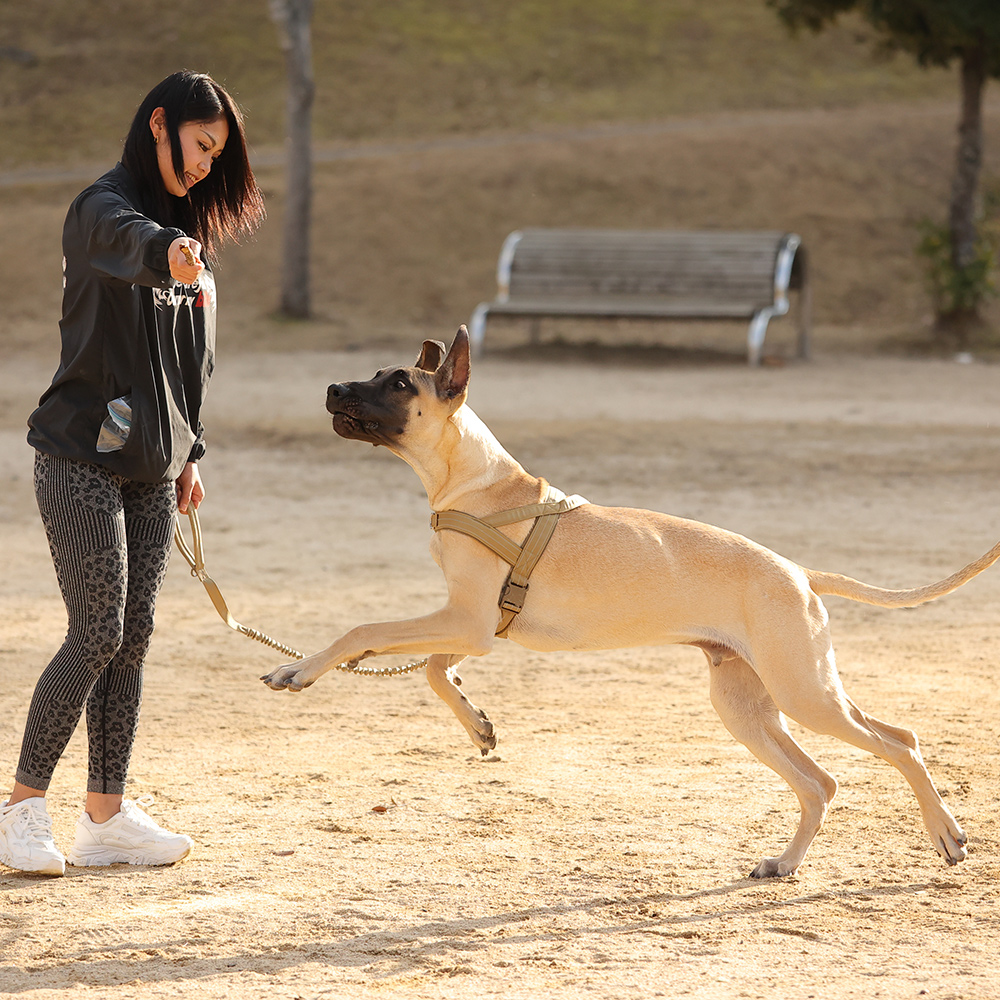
pixel 336 392
pixel 334 396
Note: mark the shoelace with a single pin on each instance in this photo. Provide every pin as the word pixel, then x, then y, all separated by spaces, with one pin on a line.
pixel 35 827
pixel 133 810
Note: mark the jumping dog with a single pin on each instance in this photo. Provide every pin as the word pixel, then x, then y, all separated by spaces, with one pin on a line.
pixel 612 578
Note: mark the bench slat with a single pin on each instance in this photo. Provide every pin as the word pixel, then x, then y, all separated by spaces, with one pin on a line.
pixel 625 306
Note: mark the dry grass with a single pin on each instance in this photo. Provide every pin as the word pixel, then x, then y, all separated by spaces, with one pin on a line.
pixel 643 114
pixel 415 68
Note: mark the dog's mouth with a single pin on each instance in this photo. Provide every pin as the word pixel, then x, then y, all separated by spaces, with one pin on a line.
pixel 351 427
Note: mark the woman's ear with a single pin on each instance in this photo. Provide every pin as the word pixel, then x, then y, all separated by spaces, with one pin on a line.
pixel 158 123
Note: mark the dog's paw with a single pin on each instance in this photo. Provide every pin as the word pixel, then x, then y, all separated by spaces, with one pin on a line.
pixel 773 868
pixel 482 732
pixel 287 678
pixel 951 846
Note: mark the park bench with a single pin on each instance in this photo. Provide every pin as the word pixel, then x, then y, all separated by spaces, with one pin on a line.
pixel 657 274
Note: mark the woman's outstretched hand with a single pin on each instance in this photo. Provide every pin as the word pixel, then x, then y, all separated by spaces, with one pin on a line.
pixel 184 258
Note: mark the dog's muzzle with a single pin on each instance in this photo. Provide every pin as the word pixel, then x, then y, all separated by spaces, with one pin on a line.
pixel 349 417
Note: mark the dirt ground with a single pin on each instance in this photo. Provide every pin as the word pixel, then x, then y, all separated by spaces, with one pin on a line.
pixel 350 842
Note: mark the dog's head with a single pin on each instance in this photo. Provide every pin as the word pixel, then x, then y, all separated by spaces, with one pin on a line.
pixel 382 410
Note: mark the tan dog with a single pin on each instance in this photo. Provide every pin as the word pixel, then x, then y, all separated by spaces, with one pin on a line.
pixel 617 577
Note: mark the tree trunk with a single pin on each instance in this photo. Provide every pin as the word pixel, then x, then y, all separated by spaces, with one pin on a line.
pixel 962 213
pixel 293 18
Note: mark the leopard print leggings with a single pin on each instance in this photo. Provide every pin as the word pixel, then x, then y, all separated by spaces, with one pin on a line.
pixel 110 541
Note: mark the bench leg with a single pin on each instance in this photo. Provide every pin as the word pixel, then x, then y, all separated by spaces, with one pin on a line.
pixel 804 317
pixel 477 329
pixel 755 336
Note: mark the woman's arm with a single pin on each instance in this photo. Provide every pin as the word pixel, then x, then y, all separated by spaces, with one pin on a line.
pixel 122 243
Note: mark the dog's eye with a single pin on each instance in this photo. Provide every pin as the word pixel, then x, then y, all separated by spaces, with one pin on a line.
pixel 401 383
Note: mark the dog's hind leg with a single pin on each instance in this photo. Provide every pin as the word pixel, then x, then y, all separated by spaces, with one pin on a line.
pixel 813 695
pixel 747 711
pixel 445 684
pixel 901 749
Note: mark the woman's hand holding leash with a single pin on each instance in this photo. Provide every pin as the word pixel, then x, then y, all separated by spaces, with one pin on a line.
pixel 183 257
pixel 190 491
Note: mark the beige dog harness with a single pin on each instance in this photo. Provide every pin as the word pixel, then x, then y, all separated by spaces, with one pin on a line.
pixel 521 558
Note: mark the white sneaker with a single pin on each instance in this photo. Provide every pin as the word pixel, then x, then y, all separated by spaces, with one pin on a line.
pixel 129 836
pixel 26 838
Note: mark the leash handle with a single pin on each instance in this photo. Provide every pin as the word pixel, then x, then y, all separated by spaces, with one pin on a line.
pixel 195 557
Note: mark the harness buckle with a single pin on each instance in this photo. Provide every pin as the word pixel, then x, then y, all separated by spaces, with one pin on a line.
pixel 512 598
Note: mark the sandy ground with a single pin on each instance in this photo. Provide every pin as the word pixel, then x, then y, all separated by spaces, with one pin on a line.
pixel 350 840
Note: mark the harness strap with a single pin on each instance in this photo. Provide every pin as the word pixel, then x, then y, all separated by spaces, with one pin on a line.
pixel 521 558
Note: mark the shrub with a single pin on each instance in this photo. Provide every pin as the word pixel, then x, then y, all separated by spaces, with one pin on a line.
pixel 957 293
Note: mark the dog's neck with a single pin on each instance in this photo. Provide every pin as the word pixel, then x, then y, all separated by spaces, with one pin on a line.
pixel 469 469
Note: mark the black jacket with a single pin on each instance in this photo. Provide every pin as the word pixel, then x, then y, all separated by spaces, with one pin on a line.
pixel 127 329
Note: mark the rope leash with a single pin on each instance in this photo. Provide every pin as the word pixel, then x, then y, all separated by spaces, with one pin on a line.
pixel 194 554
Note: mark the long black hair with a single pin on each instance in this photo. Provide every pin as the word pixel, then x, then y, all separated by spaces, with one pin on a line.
pixel 225 205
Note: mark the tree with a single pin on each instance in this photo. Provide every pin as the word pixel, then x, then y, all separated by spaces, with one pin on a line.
pixel 293 18
pixel 937 33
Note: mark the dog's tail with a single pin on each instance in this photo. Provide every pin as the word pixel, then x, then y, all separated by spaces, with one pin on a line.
pixel 854 590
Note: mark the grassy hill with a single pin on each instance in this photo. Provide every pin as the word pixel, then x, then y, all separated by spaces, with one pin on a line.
pixel 421 67
pixel 699 115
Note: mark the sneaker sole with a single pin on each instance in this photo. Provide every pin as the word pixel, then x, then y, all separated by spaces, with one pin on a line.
pixel 53 867
pixel 103 858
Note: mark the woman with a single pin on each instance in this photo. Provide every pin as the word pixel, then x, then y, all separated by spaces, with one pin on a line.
pixel 118 438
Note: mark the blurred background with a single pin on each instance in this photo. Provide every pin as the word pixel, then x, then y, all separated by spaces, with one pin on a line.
pixel 441 125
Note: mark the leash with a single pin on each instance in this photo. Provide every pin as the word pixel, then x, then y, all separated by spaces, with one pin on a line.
pixel 195 557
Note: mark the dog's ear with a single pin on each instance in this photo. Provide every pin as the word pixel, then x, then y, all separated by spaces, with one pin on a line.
pixel 430 355
pixel 452 378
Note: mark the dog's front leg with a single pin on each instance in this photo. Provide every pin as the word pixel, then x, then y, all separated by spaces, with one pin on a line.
pixel 452 630
pixel 445 684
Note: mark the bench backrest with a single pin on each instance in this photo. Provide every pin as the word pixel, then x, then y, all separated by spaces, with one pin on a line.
pixel 673 265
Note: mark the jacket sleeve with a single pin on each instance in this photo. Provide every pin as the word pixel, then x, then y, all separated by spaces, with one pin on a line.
pixel 197 452
pixel 121 242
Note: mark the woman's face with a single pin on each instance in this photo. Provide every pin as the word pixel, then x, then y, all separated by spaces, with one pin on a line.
pixel 201 144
